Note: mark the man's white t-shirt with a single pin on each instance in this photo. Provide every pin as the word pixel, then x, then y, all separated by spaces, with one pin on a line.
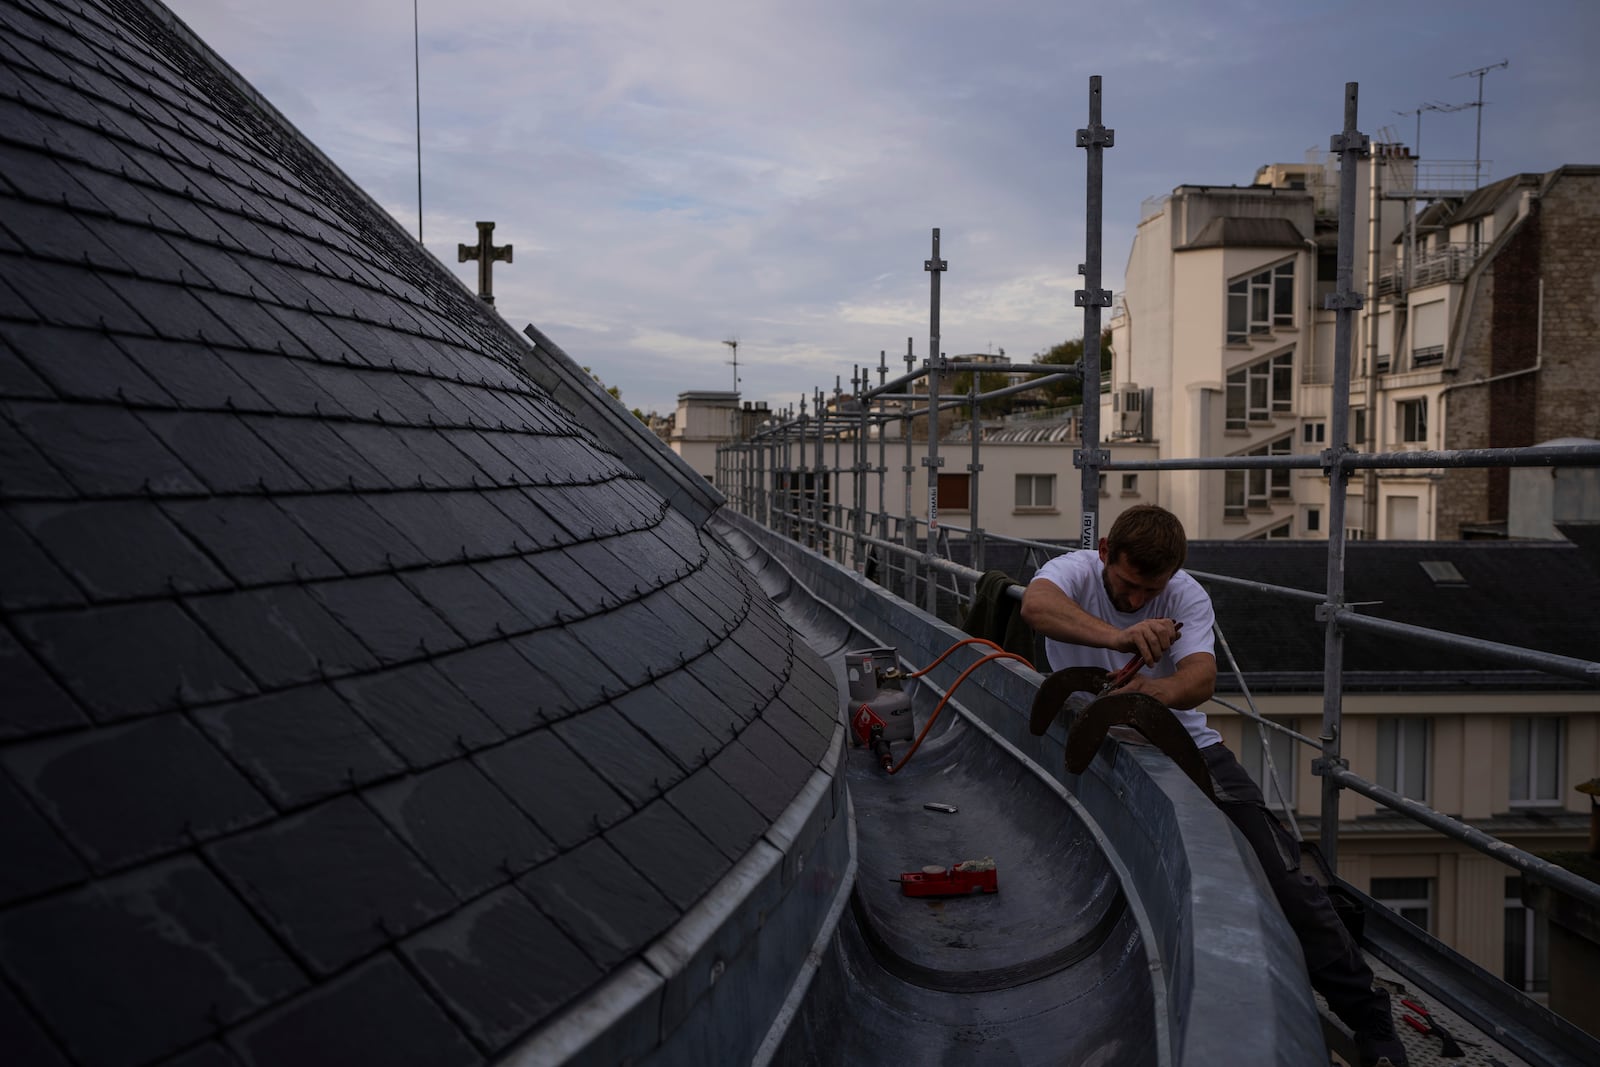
pixel 1080 576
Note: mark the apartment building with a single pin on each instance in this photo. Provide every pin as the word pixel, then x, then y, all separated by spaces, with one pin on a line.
pixel 1478 331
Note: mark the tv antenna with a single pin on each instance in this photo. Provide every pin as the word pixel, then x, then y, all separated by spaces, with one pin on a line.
pixel 1416 147
pixel 1477 150
pixel 734 344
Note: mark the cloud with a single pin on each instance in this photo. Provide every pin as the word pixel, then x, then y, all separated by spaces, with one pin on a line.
pixel 675 174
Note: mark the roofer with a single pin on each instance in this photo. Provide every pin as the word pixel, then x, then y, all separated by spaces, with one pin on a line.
pixel 1094 610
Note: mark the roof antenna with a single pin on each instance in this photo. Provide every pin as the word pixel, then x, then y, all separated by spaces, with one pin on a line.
pixel 416 57
pixel 1477 150
pixel 734 344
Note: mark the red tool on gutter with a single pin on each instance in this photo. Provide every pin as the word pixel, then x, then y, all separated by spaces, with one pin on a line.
pixel 971 876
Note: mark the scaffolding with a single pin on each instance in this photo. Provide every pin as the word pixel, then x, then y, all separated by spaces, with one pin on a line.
pixel 769 478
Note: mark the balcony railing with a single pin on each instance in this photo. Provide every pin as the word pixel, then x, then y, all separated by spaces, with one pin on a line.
pixel 1442 263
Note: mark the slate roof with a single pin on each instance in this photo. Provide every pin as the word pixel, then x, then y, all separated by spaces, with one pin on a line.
pixel 1524 593
pixel 1229 231
pixel 360 707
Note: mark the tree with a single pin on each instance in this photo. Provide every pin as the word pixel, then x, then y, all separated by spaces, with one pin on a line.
pixel 616 394
pixel 1070 353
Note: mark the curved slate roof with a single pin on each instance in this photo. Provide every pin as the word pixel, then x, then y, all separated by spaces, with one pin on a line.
pixel 359 705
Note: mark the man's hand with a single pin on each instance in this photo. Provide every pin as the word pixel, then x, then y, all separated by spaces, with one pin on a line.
pixel 1150 639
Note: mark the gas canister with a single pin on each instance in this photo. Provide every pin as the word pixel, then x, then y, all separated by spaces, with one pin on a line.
pixel 874 681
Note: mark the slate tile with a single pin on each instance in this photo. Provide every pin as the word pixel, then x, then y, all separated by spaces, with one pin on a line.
pixel 223 451
pixel 522 508
pixel 134 659
pixel 605 906
pixel 37 860
pixel 633 651
pixel 787 765
pixel 669 852
pixel 481 527
pixel 561 793
pixel 282 384
pixel 383 450
pixel 139 248
pixel 563 571
pixel 121 550
pixel 376 1014
pixel 23 1039
pixel 472 606
pixel 625 756
pixel 257 325
pixel 716 674
pixel 520 583
pixel 669 616
pixel 752 779
pixel 332 881
pixel 358 392
pixel 655 713
pixel 419 713
pixel 128 793
pixel 516 694
pixel 726 819
pixel 501 966
pixel 467 832
pixel 501 471
pixel 584 678
pixel 28 578
pixel 252 539
pixel 350 532
pixel 707 709
pixel 74 296
pixel 387 617
pixel 140 966
pixel 194 375
pixel 17 378
pixel 102 450
pixel 441 463
pixel 24 470
pixel 282 636
pixel 35 704
pixel 805 733
pixel 322 458
pixel 84 364
pixel 426 522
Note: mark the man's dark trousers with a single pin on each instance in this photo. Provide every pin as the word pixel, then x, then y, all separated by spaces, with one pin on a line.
pixel 1333 960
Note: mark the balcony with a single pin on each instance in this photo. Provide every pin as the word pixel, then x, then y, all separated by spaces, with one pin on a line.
pixel 1441 263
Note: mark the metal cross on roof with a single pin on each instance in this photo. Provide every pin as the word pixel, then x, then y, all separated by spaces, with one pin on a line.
pixel 485 253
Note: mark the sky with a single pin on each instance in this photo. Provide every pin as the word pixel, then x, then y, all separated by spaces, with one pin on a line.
pixel 672 176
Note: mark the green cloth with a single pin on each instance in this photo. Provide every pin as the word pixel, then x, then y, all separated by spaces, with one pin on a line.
pixel 996 616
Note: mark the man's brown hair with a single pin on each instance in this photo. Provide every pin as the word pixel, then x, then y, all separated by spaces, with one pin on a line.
pixel 1148 538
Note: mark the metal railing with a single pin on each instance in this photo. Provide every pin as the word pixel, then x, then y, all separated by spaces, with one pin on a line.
pixel 766 477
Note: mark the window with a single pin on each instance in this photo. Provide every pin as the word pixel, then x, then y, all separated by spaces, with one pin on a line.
pixel 1102 485
pixel 1130 485
pixel 955 492
pixel 1411 417
pixel 1403 755
pixel 1253 757
pixel 1428 334
pixel 1257 392
pixel 1535 760
pixel 1527 943
pixel 1313 520
pixel 1257 488
pixel 1358 428
pixel 1036 490
pixel 1409 898
pixel 1314 433
pixel 1260 301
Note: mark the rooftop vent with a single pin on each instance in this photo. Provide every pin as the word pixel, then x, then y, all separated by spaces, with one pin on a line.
pixel 1443 572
